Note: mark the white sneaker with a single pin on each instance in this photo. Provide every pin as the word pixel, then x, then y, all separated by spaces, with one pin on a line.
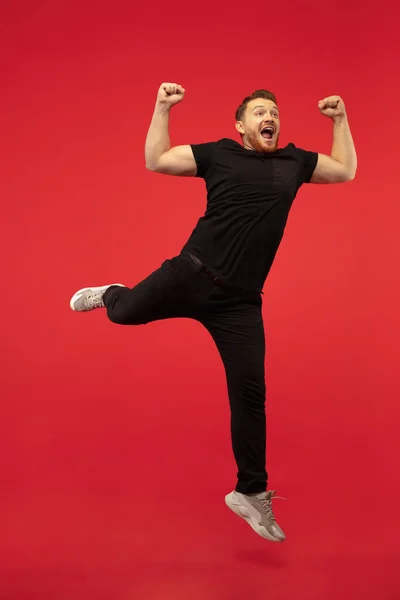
pixel 257 511
pixel 90 298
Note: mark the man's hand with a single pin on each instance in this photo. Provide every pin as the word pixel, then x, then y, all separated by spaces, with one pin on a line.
pixel 332 107
pixel 170 94
pixel 341 165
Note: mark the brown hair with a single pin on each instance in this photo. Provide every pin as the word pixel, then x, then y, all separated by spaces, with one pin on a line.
pixel 257 94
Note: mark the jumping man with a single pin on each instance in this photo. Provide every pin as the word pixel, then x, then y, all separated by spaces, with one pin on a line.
pixel 220 272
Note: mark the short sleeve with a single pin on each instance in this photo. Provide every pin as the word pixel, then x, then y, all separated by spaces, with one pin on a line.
pixel 204 157
pixel 308 161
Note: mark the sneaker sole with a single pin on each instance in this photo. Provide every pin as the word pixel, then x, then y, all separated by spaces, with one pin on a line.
pixel 86 289
pixel 249 514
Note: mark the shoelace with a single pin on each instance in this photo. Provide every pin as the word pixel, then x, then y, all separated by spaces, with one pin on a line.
pixel 94 299
pixel 267 503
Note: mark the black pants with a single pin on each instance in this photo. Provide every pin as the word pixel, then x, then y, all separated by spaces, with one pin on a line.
pixel 180 288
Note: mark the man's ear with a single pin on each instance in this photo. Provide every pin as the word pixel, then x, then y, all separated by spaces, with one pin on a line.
pixel 239 127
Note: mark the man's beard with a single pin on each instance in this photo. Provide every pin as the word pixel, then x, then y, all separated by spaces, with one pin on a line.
pixel 255 141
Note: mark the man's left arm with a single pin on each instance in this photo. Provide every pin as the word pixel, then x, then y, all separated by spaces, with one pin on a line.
pixel 341 165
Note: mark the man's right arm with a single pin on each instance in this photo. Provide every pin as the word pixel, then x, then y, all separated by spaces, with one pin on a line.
pixel 160 157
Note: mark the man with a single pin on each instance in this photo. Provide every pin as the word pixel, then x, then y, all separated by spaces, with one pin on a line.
pixel 218 277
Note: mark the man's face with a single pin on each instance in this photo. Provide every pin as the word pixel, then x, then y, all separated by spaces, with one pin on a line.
pixel 260 125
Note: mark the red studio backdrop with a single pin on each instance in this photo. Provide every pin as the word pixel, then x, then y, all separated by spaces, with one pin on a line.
pixel 115 448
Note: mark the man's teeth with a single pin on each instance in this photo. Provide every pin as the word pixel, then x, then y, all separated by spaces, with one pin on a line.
pixel 268 132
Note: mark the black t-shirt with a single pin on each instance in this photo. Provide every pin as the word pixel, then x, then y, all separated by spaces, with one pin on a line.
pixel 249 195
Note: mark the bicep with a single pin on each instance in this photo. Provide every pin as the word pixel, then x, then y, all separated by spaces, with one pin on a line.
pixel 177 161
pixel 329 170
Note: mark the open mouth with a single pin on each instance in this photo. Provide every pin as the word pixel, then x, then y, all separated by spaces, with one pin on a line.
pixel 267 133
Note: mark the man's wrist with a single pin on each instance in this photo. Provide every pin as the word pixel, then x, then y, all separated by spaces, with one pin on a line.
pixel 162 108
pixel 338 121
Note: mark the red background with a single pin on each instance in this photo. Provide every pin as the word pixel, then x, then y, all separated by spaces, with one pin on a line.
pixel 115 448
